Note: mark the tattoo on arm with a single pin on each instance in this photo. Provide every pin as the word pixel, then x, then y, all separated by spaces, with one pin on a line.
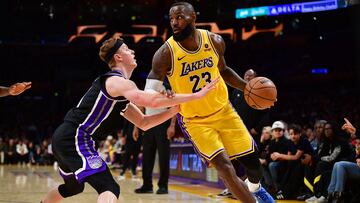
pixel 161 63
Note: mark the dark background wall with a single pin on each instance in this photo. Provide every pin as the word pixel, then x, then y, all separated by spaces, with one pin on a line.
pixel 34 47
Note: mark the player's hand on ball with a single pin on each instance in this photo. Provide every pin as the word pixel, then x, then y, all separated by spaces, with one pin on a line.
pixel 19 88
pixel 260 93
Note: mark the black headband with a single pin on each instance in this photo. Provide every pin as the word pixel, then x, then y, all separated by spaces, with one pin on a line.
pixel 113 50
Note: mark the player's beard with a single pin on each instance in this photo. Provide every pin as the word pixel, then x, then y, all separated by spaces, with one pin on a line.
pixel 184 33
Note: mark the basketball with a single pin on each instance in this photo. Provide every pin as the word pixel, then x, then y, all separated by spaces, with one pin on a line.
pixel 260 93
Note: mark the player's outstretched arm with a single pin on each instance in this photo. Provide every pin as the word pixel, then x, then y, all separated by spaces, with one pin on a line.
pixel 145 122
pixel 117 86
pixel 14 89
pixel 4 91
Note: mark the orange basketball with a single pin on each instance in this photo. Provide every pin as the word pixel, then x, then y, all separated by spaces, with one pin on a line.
pixel 260 93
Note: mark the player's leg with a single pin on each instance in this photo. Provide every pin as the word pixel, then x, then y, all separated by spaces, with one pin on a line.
pixel 208 143
pixel 65 153
pixel 240 172
pixel 70 188
pixel 227 173
pixel 254 173
pixel 105 186
pixel 252 166
pixel 239 143
pixel 52 196
pixel 239 168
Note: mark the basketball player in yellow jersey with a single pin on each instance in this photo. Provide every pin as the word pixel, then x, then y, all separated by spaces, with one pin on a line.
pixel 190 59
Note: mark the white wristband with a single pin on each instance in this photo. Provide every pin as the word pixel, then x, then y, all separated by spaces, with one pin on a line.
pixel 153 85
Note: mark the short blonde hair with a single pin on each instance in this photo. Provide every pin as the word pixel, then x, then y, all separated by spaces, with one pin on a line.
pixel 107 51
pixel 267 129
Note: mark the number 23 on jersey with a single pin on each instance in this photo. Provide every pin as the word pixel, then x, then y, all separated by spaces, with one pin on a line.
pixel 195 79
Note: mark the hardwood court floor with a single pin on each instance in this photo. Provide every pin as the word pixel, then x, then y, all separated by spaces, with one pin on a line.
pixel 22 184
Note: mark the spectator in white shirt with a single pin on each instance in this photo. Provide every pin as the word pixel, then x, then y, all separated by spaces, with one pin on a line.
pixel 22 152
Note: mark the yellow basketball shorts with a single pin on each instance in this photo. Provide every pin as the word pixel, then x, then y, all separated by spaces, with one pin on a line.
pixel 221 131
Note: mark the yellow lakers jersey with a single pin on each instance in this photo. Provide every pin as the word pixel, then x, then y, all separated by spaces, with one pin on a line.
pixel 192 70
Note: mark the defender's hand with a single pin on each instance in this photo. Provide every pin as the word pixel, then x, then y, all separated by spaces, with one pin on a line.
pixel 19 88
pixel 208 87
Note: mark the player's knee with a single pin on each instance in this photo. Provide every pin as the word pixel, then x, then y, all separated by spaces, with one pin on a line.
pixel 103 182
pixel 70 189
pixel 115 189
pixel 79 189
pixel 112 187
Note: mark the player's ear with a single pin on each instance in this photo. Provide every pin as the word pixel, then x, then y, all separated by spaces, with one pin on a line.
pixel 193 16
pixel 117 57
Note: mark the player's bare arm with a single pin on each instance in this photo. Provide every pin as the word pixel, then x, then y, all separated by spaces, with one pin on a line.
pixel 230 76
pixel 145 122
pixel 161 63
pixel 4 91
pixel 118 86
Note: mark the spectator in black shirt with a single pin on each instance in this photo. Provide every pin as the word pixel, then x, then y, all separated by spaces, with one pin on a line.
pixel 291 182
pixel 280 144
pixel 10 152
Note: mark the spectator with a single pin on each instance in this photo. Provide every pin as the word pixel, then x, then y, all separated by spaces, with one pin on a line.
pixel 344 171
pixel 333 149
pixel 318 134
pixel 291 182
pixel 106 150
pixel 310 135
pixel 22 152
pixel 32 153
pixel 279 144
pixel 119 149
pixel 10 152
pixel 2 151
